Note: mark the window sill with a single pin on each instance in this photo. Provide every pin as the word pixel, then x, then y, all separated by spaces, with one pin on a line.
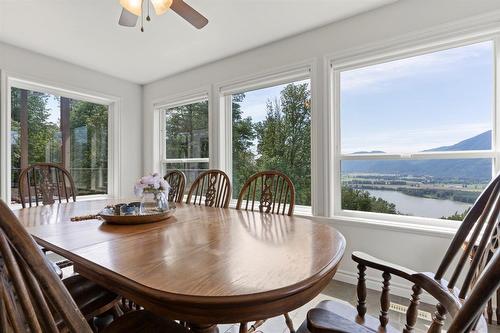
pixel 407 227
pixel 93 197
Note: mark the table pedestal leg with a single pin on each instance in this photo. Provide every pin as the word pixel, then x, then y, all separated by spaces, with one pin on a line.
pixel 197 328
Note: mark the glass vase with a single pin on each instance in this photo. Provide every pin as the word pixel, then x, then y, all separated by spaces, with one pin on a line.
pixel 154 201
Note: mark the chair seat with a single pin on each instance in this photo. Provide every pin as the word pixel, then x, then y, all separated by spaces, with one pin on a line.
pixel 92 299
pixel 343 317
pixel 145 322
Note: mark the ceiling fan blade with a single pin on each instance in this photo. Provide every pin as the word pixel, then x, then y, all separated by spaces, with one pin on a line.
pixel 189 13
pixel 127 19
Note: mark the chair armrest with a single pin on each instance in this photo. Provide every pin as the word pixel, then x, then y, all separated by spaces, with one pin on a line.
pixel 384 266
pixel 324 321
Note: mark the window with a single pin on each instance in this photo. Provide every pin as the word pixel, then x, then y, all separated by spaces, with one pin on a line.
pixel 185 140
pixel 271 130
pixel 416 133
pixel 56 129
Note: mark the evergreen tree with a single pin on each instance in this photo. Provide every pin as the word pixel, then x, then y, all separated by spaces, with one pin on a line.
pixel 285 138
pixel 243 139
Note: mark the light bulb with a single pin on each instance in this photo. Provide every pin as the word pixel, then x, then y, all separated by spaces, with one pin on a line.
pixel 161 6
pixel 133 6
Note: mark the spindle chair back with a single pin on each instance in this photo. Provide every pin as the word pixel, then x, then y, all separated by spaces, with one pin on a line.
pixel 177 182
pixel 33 297
pixel 211 188
pixel 44 183
pixel 268 192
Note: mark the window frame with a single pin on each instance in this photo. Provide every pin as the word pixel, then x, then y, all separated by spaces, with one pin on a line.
pixel 391 53
pixel 285 75
pixel 11 80
pixel 162 108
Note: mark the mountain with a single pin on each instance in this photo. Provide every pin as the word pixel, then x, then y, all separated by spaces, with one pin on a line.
pixel 478 142
pixel 473 169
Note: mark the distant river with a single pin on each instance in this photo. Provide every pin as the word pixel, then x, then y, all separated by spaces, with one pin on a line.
pixel 417 206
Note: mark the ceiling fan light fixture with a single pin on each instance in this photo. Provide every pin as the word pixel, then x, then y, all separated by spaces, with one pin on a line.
pixel 133 6
pixel 161 6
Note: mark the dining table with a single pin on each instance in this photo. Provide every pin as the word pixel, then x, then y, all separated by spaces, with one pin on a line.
pixel 203 266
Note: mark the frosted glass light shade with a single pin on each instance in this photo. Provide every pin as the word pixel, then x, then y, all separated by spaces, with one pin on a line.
pixel 133 6
pixel 161 6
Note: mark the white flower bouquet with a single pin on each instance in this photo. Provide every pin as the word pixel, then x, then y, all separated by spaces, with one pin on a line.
pixel 151 184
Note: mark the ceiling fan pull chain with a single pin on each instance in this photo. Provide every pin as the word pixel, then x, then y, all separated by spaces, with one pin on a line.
pixel 148 18
pixel 142 15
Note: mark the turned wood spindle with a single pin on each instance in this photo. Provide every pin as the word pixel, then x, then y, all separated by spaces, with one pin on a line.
pixel 289 323
pixel 384 300
pixel 412 312
pixel 438 319
pixel 498 307
pixel 361 290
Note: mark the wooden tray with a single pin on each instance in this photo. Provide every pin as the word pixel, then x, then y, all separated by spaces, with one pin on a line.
pixel 149 217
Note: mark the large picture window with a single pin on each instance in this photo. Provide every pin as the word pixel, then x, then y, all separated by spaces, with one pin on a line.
pixel 70 132
pixel 185 139
pixel 271 130
pixel 416 133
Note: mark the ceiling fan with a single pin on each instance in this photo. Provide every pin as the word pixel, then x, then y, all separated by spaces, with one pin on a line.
pixel 133 9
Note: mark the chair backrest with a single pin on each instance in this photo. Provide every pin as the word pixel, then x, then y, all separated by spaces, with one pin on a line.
pixel 33 298
pixel 479 232
pixel 470 312
pixel 211 188
pixel 272 190
pixel 44 183
pixel 177 181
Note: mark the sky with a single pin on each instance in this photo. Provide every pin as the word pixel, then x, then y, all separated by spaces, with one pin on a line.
pixel 418 103
pixel 409 105
pixel 254 104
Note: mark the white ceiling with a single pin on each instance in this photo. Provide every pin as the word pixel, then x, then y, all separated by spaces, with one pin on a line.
pixel 86 32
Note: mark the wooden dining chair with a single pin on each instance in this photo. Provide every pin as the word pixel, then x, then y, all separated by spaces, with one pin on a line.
pixel 268 192
pixel 273 191
pixel 177 181
pixel 44 183
pixel 34 299
pixel 211 188
pixel 466 316
pixel 478 228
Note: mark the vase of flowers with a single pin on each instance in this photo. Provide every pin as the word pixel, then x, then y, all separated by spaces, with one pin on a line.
pixel 153 190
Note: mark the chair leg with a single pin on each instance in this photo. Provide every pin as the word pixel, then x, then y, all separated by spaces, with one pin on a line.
pixel 255 325
pixel 117 311
pixel 289 323
pixel 243 328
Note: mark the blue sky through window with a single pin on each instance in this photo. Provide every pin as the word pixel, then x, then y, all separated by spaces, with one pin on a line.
pixel 418 103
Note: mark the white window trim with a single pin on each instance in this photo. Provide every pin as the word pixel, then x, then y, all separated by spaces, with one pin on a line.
pixel 10 80
pixel 297 72
pixel 160 108
pixel 370 56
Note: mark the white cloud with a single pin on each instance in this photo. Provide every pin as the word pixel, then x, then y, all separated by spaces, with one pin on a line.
pixel 376 76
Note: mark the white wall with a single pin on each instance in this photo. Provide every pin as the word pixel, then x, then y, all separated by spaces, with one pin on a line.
pixel 38 68
pixel 416 249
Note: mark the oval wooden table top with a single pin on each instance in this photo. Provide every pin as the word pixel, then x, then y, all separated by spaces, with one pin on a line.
pixel 204 265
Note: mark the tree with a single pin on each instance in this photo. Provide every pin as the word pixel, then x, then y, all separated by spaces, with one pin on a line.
pixel 353 199
pixel 285 138
pixel 243 139
pixel 456 216
pixel 89 146
pixel 43 139
pixel 186 133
